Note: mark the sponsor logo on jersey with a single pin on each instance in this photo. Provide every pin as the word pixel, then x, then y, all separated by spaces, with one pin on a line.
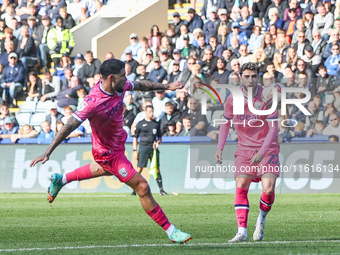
pixel 144 125
pixel 82 106
pixel 123 172
pixel 114 109
pixel 154 131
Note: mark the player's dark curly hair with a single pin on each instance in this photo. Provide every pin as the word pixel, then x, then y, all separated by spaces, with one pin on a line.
pixel 249 66
pixel 111 66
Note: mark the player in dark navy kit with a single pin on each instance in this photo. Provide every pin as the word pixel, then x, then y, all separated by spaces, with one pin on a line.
pixel 150 137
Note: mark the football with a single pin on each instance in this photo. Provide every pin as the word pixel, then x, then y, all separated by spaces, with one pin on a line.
pixel 267 95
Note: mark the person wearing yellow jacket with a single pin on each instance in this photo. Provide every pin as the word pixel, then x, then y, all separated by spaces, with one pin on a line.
pixel 59 40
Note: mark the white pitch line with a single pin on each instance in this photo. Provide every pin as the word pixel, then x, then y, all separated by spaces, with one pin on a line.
pixel 165 245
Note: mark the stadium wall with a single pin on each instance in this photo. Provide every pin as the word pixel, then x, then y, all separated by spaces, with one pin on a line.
pixel 177 163
pixel 116 38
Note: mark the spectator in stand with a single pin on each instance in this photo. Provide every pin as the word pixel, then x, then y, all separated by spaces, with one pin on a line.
pixel 165 45
pixel 318 43
pixel 54 117
pixel 78 64
pixel 198 122
pixel 68 96
pixel 222 36
pixel 89 8
pixel 335 39
pixel 312 61
pixel 291 58
pixel 255 39
pixel 79 131
pixel 52 84
pixel 332 61
pixel 186 123
pixel 318 129
pixel 324 82
pixel 300 27
pixel 177 23
pixel 271 70
pixel 68 20
pixel 323 21
pixel 15 25
pixel 301 44
pixel 173 76
pixel 308 18
pixel 129 75
pixel 57 46
pixel 209 27
pixel 65 62
pixel 242 37
pixel 41 39
pixel 46 135
pixel 221 74
pixel 281 47
pixel 130 112
pixel 246 21
pixel 10 128
pixel 134 47
pixel 236 67
pixel 268 45
pixel 170 115
pixel 4 113
pixel 74 9
pixel 329 110
pixel 333 128
pixel 8 37
pixel 176 55
pixel 216 47
pixel 90 68
pixel 34 87
pixel 187 47
pixel 244 57
pixel 109 55
pixel 158 103
pixel 222 20
pixel 12 80
pixel 289 25
pixel 316 115
pixel 26 131
pixel 336 102
pixel 4 5
pixel 148 61
pixel 141 54
pixel 154 38
pixel 10 14
pixel 26 49
pixel 142 74
pixel 273 31
pixel 193 20
pixel 158 74
pixel 181 103
pixel 280 6
pixel 171 131
pixel 68 75
pixel 274 19
pixel 279 63
pixel 209 62
pixel 53 9
pixel 165 60
pixel 9 47
pixel 130 61
pixel 184 33
pixel 259 58
pixel 185 75
pixel 293 4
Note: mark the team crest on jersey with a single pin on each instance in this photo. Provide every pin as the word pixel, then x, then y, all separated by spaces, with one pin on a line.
pixel 82 106
pixel 154 131
pixel 123 172
pixel 257 105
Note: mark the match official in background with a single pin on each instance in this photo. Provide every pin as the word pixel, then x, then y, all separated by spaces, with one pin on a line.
pixel 148 130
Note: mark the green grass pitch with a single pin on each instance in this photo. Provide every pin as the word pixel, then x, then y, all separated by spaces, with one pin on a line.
pixel 116 224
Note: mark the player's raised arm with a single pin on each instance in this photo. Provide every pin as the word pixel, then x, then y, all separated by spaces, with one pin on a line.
pixel 151 85
pixel 71 125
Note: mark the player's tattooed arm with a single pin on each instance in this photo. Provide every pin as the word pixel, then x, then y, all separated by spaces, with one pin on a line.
pixel 151 85
pixel 71 125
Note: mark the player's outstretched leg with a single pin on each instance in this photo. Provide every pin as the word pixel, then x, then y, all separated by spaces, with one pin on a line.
pixel 140 185
pixel 266 202
pixel 82 173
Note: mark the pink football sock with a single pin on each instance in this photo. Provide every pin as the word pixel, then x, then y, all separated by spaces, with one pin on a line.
pixel 241 207
pixel 81 173
pixel 267 201
pixel 159 217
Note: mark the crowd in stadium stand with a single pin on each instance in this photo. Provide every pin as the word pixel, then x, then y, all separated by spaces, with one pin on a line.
pixel 294 43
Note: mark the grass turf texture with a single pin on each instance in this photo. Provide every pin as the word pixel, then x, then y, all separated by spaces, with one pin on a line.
pixel 81 220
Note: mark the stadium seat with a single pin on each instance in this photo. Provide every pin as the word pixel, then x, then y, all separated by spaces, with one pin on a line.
pixel 23 118
pixel 28 106
pixel 37 128
pixel 329 98
pixel 42 106
pixel 38 118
